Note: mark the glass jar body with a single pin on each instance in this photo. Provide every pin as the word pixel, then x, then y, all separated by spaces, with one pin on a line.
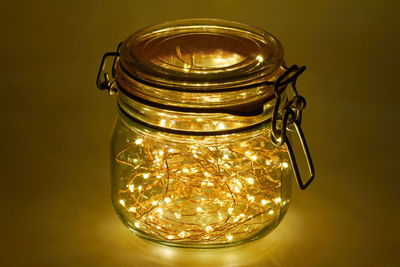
pixel 194 190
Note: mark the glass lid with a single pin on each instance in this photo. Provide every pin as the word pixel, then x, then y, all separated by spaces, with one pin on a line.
pixel 201 54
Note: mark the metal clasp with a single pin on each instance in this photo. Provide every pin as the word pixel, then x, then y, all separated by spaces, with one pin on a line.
pixel 290 115
pixel 103 80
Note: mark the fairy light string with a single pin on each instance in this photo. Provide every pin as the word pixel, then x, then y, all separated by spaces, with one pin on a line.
pixel 194 193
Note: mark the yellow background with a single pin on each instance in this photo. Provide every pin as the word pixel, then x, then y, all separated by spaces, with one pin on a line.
pixel 56 126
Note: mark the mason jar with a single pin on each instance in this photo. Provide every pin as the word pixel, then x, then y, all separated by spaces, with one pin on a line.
pixel 201 153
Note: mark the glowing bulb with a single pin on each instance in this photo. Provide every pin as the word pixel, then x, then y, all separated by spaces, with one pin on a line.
pixel 250 198
pixel 132 209
pixel 250 180
pixel 237 190
pixel 170 236
pixel 277 200
pixel 159 176
pixel 253 157
pixel 146 175
pixel 237 182
pixel 260 58
pixel 221 126
pixel 199 209
pixel 207 174
pixel 230 210
pixel 226 156
pixel 229 237
pixel 162 122
pixel 158 227
pixel 154 203
pixel 285 164
pixel 137 224
pixel 159 210
pixel 271 212
pixel 139 141
pixel 131 187
pixel 182 234
pixel 122 202
pixel 268 162
pixel 167 200
pixel 177 215
pixel 209 229
pixel 140 188
pixel 185 170
pixel 210 184
pixel 264 202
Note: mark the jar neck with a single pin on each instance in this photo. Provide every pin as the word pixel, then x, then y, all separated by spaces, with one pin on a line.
pixel 204 122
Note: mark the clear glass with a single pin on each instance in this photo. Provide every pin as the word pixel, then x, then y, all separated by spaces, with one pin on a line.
pixel 198 191
pixel 187 169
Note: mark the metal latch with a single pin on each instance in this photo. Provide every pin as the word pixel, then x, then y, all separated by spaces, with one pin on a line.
pixel 289 116
pixel 104 81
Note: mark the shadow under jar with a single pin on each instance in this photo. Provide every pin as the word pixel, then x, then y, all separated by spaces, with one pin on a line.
pixel 200 155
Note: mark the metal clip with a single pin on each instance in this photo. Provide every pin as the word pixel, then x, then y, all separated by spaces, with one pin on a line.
pixel 291 114
pixel 103 80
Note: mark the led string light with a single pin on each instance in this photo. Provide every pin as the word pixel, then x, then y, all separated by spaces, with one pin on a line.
pixel 195 193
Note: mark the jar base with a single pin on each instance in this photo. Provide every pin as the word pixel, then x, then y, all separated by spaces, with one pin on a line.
pixel 199 245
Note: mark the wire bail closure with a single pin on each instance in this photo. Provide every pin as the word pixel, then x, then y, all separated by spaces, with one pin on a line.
pixel 291 115
pixel 103 80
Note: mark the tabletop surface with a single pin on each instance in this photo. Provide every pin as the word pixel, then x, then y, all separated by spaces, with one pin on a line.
pixel 56 129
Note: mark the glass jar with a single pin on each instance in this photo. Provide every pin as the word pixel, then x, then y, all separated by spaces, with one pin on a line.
pixel 200 155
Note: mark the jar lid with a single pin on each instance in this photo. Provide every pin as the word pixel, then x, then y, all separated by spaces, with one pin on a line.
pixel 201 66
pixel 200 54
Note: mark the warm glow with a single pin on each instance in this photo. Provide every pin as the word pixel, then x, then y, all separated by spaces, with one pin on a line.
pixel 196 193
